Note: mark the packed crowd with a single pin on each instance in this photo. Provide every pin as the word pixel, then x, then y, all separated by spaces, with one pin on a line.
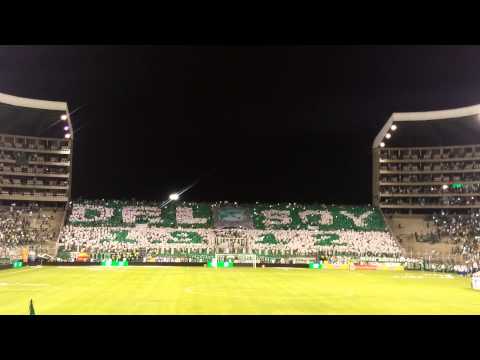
pixel 23 226
pixel 457 225
pixel 128 213
pixel 283 230
pixel 280 216
pixel 464 269
pixel 104 239
pixel 463 230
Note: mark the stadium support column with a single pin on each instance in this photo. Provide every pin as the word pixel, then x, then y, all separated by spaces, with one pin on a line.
pixel 375 176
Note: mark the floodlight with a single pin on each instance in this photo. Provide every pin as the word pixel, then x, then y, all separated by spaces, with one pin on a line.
pixel 68 135
pixel 444 186
pixel 64 117
pixel 388 135
pixel 65 128
pixel 382 144
pixel 174 197
pixel 394 127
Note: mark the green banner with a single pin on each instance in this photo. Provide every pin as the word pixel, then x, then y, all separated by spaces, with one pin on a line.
pixel 220 264
pixel 110 262
pixel 232 217
pixel 17 264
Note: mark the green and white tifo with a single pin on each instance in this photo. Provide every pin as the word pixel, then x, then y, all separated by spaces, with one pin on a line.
pixel 199 290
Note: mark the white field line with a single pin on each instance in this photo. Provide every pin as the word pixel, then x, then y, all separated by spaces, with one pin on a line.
pixel 21 284
pixel 18 271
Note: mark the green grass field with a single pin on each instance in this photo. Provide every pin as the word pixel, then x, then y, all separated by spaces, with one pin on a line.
pixel 192 290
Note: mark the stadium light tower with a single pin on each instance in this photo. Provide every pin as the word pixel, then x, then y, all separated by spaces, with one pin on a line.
pixel 174 197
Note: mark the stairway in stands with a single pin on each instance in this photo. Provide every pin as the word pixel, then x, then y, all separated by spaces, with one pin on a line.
pixel 404 227
pixel 55 224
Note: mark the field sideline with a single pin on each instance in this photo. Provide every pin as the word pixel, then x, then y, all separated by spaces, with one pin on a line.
pixel 193 290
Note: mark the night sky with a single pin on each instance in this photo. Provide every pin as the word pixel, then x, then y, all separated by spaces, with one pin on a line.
pixel 255 123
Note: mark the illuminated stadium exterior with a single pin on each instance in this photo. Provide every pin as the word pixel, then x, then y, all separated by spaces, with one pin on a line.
pixel 36 141
pixel 430 175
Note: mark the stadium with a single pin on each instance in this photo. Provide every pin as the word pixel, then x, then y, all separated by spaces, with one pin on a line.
pixel 413 250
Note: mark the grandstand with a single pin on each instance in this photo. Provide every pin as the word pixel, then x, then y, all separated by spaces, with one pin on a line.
pixel 36 140
pixel 273 232
pixel 416 181
pixel 181 128
pixel 36 214
pixel 426 164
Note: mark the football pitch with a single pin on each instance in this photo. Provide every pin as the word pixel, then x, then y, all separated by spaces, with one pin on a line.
pixel 262 291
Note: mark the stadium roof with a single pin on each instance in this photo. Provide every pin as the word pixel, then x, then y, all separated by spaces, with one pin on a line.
pixel 31 117
pixel 460 126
